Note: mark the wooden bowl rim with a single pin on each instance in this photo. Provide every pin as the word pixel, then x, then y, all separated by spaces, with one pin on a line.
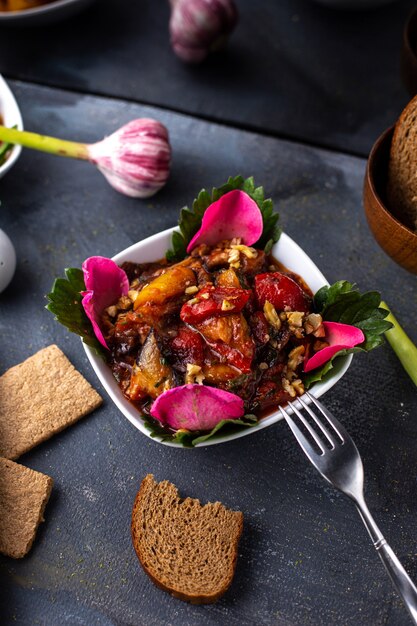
pixel 376 148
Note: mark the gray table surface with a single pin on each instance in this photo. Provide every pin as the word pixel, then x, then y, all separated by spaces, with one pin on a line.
pixel 293 68
pixel 304 557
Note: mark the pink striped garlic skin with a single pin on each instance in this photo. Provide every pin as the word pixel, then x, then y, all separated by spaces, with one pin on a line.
pixel 198 27
pixel 135 159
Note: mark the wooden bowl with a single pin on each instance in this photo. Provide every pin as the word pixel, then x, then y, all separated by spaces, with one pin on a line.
pixel 398 241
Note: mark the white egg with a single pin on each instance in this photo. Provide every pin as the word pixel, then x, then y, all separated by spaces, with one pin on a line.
pixel 7 260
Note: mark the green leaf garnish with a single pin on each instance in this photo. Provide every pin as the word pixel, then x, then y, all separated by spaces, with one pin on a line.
pixel 190 219
pixel 189 438
pixel 65 303
pixel 342 302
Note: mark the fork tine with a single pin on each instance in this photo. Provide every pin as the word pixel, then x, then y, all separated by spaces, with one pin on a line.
pixel 308 427
pixel 336 425
pixel 302 440
pixel 320 424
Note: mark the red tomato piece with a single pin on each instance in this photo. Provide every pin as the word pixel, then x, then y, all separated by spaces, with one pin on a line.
pixel 214 301
pixel 188 347
pixel 234 357
pixel 281 291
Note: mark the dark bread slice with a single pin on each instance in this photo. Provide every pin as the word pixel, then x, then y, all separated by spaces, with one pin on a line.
pixel 187 549
pixel 402 167
pixel 23 497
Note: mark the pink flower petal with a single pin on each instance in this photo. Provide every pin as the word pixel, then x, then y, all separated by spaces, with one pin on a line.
pixel 105 282
pixel 196 407
pixel 338 336
pixel 234 215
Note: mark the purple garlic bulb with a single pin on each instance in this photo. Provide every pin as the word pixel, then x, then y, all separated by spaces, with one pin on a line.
pixel 198 27
pixel 135 159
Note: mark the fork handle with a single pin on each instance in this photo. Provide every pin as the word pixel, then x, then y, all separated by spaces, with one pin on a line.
pixel 401 580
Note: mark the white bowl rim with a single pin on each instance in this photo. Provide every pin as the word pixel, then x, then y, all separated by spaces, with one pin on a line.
pixel 11 115
pixel 109 383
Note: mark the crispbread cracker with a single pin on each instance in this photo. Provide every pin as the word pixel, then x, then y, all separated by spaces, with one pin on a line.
pixel 23 497
pixel 40 397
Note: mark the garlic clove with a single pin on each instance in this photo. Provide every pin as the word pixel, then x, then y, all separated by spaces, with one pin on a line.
pixel 136 158
pixel 198 27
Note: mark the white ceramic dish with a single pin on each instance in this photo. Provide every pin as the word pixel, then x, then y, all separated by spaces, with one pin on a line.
pixel 43 14
pixel 154 248
pixel 11 116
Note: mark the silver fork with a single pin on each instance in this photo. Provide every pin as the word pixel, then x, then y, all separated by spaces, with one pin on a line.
pixel 340 464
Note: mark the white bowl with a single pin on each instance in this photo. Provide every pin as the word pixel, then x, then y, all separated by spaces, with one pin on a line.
pixel 10 113
pixel 43 14
pixel 154 248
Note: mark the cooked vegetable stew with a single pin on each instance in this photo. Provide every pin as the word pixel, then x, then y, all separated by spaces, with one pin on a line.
pixel 228 316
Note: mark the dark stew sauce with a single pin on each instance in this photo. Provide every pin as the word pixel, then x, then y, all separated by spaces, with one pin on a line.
pixel 228 316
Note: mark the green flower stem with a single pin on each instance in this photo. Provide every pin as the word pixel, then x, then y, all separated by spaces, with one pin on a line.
pixel 61 147
pixel 402 345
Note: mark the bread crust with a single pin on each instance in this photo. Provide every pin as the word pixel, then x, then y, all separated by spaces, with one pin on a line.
pixel 209 598
pixel 402 167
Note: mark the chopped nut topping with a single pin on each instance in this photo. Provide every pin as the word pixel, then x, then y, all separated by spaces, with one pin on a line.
pixel 272 268
pixel 133 294
pixel 286 385
pixel 227 306
pixel 271 315
pixel 194 374
pixel 251 253
pixel 312 322
pixel 298 386
pixel 263 366
pixel 193 301
pixel 192 289
pixel 205 296
pixel 234 258
pixel 295 357
pixel 320 332
pixel 124 303
pixel 295 319
pixel 282 316
pixel 290 374
pixel 234 254
pixel 112 310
